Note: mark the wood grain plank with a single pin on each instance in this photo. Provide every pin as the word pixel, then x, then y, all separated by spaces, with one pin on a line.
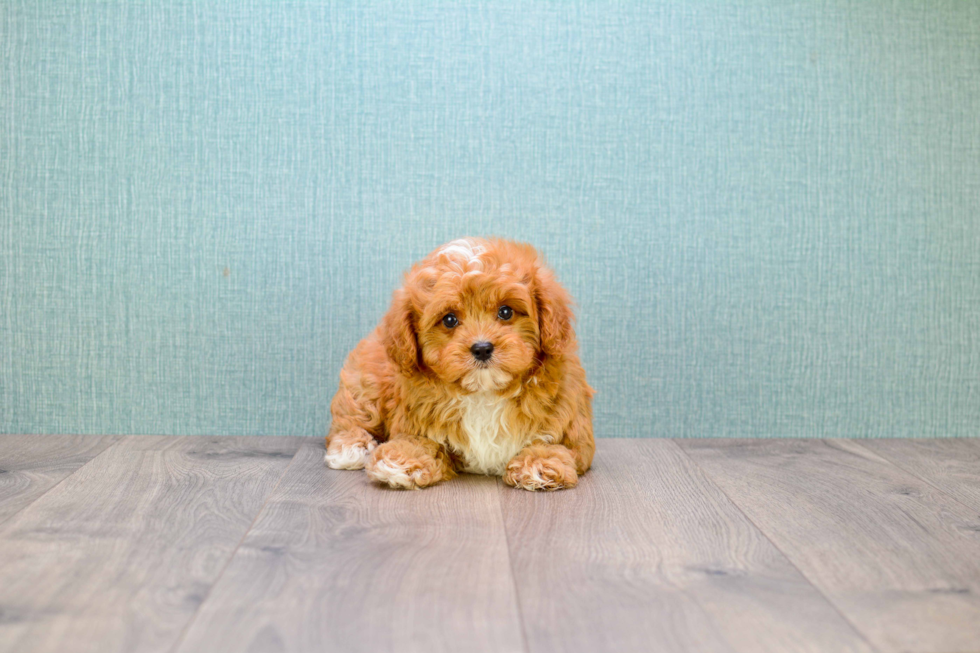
pixel 899 558
pixel 647 555
pixel 30 465
pixel 120 555
pixel 950 464
pixel 335 563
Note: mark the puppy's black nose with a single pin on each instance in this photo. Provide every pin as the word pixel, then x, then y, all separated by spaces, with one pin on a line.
pixel 482 350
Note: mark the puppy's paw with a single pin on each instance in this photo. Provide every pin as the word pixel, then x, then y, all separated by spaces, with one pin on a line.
pixel 406 465
pixel 546 468
pixel 349 449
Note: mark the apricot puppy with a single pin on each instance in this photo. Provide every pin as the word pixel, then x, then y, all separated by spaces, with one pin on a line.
pixel 473 369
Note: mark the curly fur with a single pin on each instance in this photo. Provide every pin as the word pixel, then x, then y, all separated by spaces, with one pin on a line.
pixel 415 406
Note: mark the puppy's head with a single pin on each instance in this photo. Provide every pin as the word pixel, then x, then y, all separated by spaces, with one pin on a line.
pixel 478 313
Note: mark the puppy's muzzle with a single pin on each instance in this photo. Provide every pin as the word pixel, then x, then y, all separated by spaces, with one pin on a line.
pixel 482 351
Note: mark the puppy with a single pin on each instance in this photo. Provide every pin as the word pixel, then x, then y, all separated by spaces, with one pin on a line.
pixel 473 369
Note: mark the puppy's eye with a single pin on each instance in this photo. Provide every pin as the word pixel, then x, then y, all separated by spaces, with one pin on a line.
pixel 450 321
pixel 505 313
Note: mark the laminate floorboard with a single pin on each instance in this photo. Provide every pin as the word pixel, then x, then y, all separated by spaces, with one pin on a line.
pixel 30 465
pixel 646 554
pixel 120 555
pixel 950 464
pixel 899 558
pixel 228 544
pixel 336 563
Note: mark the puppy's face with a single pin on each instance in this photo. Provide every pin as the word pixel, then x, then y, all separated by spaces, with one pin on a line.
pixel 479 330
pixel 480 313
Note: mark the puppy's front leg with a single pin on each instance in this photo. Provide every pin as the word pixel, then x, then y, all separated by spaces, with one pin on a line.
pixel 409 462
pixel 542 467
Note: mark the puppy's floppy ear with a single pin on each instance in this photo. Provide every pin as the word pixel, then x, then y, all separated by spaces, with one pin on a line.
pixel 554 314
pixel 398 332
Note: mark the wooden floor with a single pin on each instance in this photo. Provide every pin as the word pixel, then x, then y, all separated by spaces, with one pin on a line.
pixel 251 544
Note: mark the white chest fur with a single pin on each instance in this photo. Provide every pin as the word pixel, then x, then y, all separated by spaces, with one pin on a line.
pixel 490 444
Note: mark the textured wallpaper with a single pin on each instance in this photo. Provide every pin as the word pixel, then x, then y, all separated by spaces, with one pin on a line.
pixel 769 212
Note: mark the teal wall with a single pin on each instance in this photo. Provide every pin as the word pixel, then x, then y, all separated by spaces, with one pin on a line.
pixel 768 211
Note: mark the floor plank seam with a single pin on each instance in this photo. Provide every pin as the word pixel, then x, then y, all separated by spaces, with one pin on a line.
pixel 713 623
pixel 510 565
pixel 788 559
pixel 891 461
pixel 190 622
pixel 108 447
